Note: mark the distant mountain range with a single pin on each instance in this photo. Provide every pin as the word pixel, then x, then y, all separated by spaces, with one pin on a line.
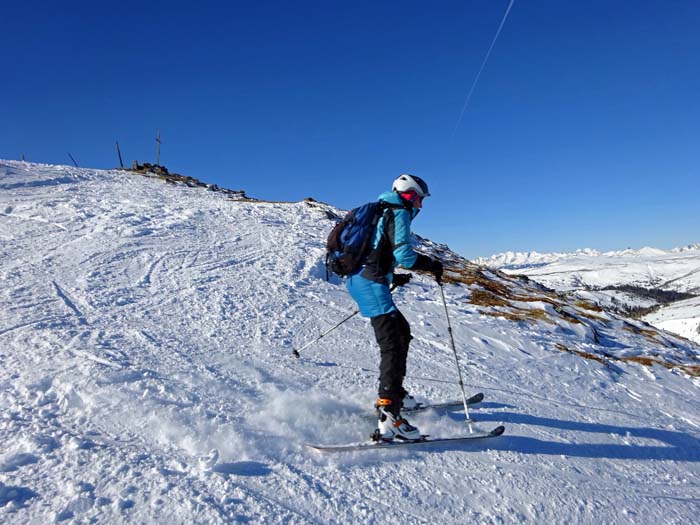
pixel 658 286
pixel 519 260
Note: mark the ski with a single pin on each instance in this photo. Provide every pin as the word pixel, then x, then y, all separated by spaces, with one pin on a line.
pixel 476 398
pixel 424 440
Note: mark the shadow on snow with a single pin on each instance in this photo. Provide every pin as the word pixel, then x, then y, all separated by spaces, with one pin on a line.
pixel 678 445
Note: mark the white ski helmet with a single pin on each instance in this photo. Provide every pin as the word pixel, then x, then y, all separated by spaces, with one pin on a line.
pixel 408 182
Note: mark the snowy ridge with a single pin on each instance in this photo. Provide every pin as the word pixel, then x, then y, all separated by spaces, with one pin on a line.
pixel 146 375
pixel 513 260
pixel 523 260
pixel 677 269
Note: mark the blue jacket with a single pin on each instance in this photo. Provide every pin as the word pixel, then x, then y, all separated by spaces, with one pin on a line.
pixel 392 247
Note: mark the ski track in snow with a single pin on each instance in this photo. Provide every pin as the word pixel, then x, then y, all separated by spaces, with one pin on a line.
pixel 146 376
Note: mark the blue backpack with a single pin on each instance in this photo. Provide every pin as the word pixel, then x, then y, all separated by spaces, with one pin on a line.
pixel 350 241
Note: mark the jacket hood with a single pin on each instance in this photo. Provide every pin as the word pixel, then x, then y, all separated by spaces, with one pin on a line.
pixel 391 197
pixel 394 198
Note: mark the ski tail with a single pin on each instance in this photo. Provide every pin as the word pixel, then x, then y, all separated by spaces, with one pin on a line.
pixel 473 400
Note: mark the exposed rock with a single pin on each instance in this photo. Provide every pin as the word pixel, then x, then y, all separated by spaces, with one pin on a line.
pixel 155 170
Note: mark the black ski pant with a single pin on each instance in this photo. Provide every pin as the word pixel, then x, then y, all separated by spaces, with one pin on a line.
pixel 393 335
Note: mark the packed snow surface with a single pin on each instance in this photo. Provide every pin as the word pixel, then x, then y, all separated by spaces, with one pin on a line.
pixel 146 376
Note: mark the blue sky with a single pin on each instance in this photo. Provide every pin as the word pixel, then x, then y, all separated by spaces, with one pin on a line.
pixel 583 130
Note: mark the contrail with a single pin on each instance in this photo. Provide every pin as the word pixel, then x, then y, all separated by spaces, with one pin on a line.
pixel 483 65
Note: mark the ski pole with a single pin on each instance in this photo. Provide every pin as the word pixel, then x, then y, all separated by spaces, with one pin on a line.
pixel 454 350
pixel 296 352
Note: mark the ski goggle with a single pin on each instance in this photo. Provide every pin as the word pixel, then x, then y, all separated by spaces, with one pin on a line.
pixel 413 198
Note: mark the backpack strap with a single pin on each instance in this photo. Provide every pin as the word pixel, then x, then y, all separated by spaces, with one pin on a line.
pixel 378 256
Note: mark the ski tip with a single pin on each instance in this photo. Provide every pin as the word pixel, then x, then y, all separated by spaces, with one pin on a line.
pixel 498 431
pixel 476 398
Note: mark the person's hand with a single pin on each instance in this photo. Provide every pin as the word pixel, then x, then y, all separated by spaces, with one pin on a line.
pixel 437 269
pixel 401 279
pixel 426 263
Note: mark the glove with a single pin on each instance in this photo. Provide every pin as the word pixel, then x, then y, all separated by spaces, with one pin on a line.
pixel 428 264
pixel 401 279
pixel 437 269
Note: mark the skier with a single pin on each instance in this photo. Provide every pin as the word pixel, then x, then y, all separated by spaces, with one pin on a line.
pixel 369 287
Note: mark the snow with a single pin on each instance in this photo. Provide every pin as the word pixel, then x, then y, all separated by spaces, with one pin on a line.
pixel 682 317
pixel 146 376
pixel 677 270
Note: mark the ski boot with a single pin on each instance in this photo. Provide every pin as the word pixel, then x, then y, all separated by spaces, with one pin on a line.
pixel 392 426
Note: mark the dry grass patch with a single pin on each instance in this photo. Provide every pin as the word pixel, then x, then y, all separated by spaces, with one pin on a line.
pixel 517 314
pixel 592 317
pixel 567 316
pixel 486 298
pixel 585 355
pixel 692 370
pixel 650 334
pixel 501 287
pixel 586 305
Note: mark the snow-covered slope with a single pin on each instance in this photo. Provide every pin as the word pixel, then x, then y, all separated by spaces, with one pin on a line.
pixel 146 375
pixel 682 317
